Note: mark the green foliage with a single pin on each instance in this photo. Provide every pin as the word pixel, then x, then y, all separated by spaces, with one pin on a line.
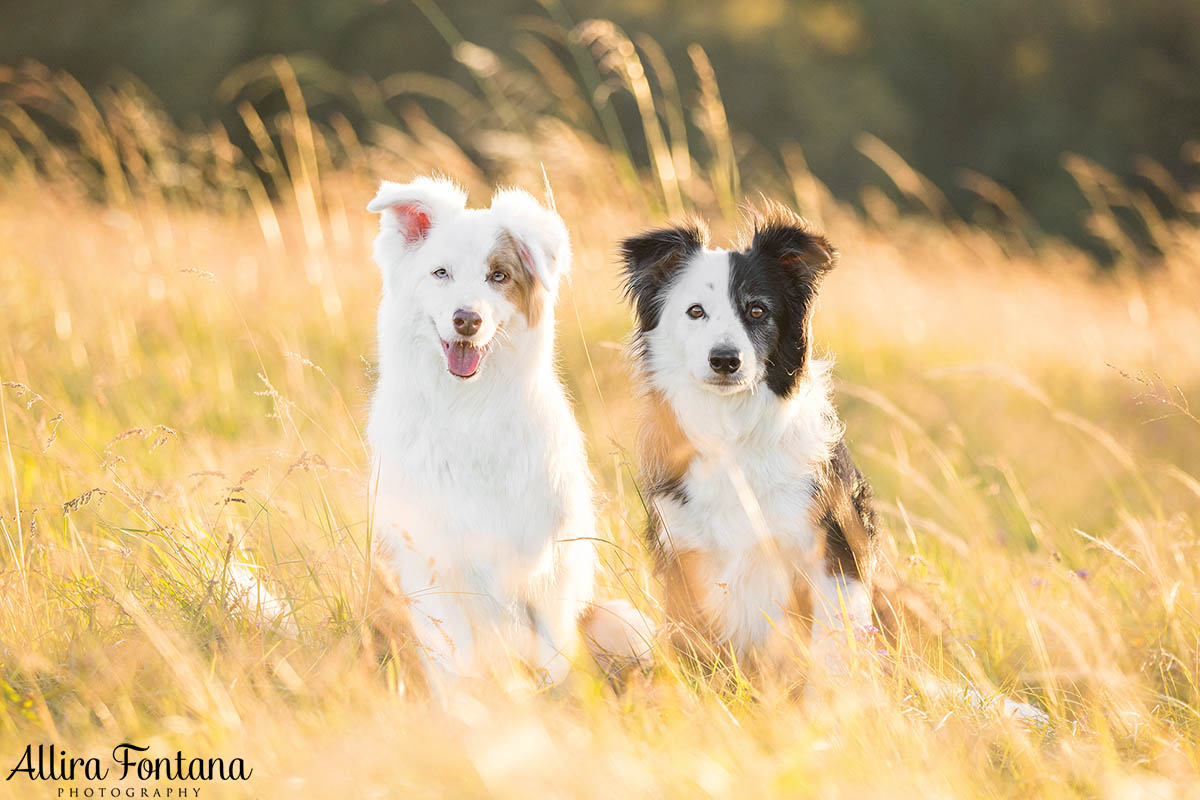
pixel 1000 88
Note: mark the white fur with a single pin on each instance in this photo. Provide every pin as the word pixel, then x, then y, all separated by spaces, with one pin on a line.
pixel 619 636
pixel 480 486
pixel 682 343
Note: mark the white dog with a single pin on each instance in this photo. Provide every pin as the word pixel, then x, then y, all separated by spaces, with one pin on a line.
pixel 482 493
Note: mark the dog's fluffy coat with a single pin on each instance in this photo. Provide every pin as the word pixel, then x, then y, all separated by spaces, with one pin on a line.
pixel 480 484
pixel 760 522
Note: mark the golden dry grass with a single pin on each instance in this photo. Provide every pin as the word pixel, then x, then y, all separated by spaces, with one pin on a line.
pixel 186 357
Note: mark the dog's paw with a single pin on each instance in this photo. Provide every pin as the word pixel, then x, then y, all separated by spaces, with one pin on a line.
pixel 1026 713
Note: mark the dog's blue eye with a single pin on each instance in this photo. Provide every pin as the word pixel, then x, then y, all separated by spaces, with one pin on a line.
pixel 441 273
pixel 696 311
pixel 498 277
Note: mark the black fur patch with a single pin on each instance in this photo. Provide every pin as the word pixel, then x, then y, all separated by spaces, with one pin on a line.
pixel 651 260
pixel 673 489
pixel 781 271
pixel 655 535
pixel 847 500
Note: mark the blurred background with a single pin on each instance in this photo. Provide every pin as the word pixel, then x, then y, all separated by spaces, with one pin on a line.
pixel 187 351
pixel 1002 88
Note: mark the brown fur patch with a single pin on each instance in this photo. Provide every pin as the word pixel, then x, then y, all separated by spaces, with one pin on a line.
pixel 800 610
pixel 522 288
pixel 665 450
pixel 388 635
pixel 687 579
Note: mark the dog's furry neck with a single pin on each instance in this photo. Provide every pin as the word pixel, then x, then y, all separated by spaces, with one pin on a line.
pixel 756 418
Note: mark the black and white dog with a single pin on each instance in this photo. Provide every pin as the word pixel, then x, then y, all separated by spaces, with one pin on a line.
pixel 761 524
pixel 763 528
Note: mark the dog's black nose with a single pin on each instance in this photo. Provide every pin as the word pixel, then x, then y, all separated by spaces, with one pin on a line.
pixel 467 322
pixel 724 360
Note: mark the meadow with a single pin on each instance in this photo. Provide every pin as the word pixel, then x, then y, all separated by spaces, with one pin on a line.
pixel 187 350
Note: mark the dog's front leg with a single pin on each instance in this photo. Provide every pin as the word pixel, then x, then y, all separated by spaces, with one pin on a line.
pixel 555 634
pixel 446 636
pixel 555 609
pixel 440 612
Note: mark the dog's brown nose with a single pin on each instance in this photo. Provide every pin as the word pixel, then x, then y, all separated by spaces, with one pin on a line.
pixel 467 322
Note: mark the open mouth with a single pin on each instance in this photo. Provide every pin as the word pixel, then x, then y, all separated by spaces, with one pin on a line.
pixel 463 358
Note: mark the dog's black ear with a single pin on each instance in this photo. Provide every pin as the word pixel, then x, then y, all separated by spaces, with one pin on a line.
pixel 650 260
pixel 803 257
pixel 805 254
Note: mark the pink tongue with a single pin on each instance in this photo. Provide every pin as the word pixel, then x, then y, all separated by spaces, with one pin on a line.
pixel 463 359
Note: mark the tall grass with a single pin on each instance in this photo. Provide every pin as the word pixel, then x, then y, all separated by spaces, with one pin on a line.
pixel 188 350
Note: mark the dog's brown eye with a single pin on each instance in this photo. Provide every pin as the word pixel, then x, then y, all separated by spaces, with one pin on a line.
pixel 498 277
pixel 696 311
pixel 757 311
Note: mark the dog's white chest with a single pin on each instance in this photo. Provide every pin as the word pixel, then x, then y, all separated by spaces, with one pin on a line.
pixel 748 514
pixel 490 483
pixel 731 502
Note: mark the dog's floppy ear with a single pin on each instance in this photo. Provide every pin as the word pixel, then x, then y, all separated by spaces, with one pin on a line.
pixel 541 236
pixel 804 257
pixel 651 258
pixel 412 209
pixel 788 239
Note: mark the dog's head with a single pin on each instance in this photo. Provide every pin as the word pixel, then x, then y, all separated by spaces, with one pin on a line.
pixel 473 278
pixel 728 321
